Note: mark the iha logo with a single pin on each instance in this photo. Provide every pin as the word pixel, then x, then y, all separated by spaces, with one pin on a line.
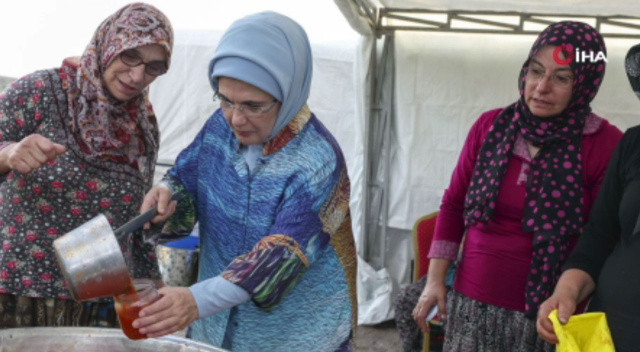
pixel 563 55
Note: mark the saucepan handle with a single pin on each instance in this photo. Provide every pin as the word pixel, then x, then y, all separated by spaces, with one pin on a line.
pixel 137 222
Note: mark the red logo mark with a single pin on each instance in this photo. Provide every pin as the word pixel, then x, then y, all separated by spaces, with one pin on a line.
pixel 564 48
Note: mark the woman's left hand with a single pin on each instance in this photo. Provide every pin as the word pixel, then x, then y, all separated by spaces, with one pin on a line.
pixel 434 293
pixel 174 311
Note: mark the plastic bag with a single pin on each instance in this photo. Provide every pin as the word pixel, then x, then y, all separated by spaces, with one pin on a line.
pixel 586 332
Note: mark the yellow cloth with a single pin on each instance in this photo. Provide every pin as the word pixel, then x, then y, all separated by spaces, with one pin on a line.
pixel 586 332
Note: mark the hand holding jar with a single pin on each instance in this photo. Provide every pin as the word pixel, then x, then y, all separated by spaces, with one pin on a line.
pixel 128 305
pixel 173 311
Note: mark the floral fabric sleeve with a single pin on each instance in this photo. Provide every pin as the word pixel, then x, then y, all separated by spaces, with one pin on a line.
pixel 444 249
pixel 182 181
pixel 21 108
pixel 184 218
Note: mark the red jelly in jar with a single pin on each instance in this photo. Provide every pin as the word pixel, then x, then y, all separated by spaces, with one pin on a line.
pixel 128 305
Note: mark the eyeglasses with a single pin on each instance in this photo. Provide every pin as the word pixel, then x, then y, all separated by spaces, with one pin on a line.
pixel 249 110
pixel 561 79
pixel 132 58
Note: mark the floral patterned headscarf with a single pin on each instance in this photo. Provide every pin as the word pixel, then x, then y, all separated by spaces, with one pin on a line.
pixel 105 128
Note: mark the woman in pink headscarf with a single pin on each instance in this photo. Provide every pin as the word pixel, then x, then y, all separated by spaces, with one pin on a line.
pixel 76 141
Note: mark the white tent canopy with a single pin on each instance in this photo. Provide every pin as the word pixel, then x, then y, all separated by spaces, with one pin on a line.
pixel 438 65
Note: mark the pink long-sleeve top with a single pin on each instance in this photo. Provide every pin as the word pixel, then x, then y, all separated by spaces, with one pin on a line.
pixel 497 255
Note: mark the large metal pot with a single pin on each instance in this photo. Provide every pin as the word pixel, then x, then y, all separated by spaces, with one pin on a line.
pixel 71 339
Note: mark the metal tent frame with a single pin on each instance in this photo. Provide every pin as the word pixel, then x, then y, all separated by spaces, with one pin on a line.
pixel 383 21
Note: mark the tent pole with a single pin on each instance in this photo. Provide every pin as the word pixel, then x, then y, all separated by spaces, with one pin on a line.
pixel 365 251
pixel 378 147
pixel 388 110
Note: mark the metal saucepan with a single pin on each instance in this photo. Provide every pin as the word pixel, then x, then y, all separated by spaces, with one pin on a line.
pixel 91 260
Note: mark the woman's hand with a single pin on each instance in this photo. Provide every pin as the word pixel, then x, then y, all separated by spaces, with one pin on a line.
pixel 159 195
pixel 174 311
pixel 573 286
pixel 31 153
pixel 566 306
pixel 433 293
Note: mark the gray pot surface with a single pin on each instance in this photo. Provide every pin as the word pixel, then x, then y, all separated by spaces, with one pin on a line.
pixel 80 339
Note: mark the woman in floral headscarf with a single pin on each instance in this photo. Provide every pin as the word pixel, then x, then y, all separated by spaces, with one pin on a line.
pixel 606 259
pixel 76 141
pixel 522 189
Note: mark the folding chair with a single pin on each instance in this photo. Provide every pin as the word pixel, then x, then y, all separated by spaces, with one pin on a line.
pixel 423 231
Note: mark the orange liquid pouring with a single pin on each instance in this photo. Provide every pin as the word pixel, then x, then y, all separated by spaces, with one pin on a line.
pixel 128 312
pixel 130 290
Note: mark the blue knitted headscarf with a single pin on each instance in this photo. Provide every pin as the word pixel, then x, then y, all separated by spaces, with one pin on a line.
pixel 269 51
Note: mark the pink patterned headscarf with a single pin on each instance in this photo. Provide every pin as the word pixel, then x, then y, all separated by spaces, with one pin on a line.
pixel 105 128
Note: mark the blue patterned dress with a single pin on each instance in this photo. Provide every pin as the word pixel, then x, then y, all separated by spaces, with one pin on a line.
pixel 282 233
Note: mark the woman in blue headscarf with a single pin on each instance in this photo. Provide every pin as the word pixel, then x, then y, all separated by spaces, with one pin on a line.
pixel 268 185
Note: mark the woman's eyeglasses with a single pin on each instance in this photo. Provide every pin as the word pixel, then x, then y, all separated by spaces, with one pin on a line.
pixel 249 110
pixel 131 58
pixel 562 79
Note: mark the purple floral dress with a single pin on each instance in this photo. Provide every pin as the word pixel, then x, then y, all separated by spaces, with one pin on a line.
pixel 37 208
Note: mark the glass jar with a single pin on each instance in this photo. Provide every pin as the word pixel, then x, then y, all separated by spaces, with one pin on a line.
pixel 128 305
